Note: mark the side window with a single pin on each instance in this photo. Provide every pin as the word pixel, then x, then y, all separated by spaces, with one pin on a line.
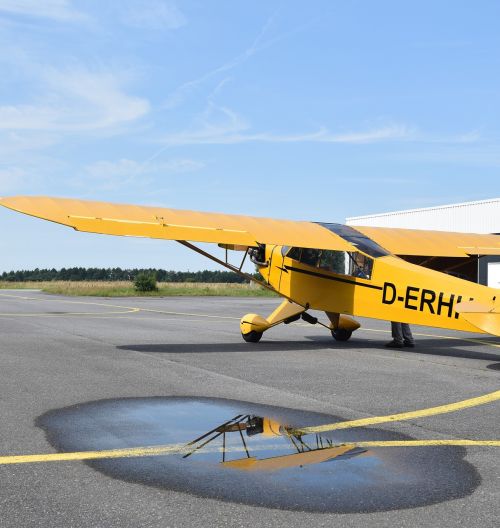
pixel 332 261
pixel 352 263
pixel 360 265
pixel 294 253
pixel 310 256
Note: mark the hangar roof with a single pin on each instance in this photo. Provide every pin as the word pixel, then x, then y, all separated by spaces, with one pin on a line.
pixel 481 216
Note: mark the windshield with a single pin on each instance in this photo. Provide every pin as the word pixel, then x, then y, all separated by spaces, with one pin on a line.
pixel 362 242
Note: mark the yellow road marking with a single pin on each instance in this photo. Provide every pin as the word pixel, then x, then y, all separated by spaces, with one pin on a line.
pixel 421 413
pixel 93 455
pixel 427 443
pixel 45 314
pixel 129 309
pixel 189 314
pixel 88 303
pixel 163 450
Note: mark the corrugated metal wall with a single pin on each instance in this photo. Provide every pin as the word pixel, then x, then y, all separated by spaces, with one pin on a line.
pixel 471 217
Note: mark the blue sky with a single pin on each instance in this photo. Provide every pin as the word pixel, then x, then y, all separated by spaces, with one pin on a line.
pixel 305 110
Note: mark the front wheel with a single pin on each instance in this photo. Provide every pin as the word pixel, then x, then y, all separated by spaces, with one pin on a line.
pixel 252 337
pixel 341 334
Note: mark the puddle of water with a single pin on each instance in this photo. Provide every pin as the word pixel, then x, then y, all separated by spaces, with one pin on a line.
pixel 244 452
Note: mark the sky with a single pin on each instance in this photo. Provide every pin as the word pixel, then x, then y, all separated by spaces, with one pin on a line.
pixel 313 110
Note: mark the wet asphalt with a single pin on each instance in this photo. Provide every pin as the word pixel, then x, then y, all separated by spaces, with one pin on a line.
pixel 90 373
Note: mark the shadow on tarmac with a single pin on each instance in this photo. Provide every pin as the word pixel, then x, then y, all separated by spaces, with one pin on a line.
pixel 434 347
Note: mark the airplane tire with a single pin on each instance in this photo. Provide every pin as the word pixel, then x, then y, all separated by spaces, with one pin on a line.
pixel 252 337
pixel 341 334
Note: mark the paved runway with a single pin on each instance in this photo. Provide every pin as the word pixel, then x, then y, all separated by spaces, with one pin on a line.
pixel 92 375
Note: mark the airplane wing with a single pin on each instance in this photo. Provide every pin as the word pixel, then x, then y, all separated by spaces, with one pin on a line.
pixel 432 243
pixel 175 224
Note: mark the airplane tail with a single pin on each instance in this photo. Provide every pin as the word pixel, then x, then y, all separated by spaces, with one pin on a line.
pixel 482 316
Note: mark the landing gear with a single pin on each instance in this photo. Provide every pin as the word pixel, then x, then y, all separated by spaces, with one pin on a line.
pixel 252 326
pixel 252 336
pixel 341 334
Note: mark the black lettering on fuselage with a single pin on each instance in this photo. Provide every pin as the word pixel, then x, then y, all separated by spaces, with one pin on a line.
pixel 428 297
pixel 389 287
pixel 459 300
pixel 442 303
pixel 423 300
pixel 409 297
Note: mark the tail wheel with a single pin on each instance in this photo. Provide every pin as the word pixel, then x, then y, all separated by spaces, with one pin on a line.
pixel 252 337
pixel 341 334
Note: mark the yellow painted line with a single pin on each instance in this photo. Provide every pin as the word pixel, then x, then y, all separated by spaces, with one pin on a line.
pixel 163 450
pixel 427 443
pixel 190 314
pixel 86 303
pixel 146 318
pixel 129 308
pixel 45 314
pixel 411 415
pixel 94 455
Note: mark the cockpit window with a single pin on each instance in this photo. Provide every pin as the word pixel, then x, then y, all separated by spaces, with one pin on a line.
pixel 351 263
pixel 360 265
pixel 294 253
pixel 362 242
pixel 332 261
pixel 310 256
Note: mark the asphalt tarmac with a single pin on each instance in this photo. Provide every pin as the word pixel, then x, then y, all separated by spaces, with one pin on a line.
pixel 103 391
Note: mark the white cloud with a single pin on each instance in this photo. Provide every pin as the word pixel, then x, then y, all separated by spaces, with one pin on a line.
pixel 59 10
pixel 75 101
pixel 221 125
pixel 223 136
pixel 152 14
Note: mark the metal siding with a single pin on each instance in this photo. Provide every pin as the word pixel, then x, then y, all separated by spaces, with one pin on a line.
pixel 472 217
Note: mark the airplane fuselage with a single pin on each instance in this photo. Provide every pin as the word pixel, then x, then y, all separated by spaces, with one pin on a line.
pixel 395 291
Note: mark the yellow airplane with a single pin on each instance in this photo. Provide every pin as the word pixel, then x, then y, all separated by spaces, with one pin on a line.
pixel 341 270
pixel 312 451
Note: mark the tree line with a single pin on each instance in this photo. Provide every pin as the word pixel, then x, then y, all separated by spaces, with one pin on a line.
pixel 119 274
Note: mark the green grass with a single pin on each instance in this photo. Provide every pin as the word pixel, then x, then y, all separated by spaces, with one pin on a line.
pixel 126 289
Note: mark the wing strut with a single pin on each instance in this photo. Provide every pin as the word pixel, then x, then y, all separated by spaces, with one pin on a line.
pixel 232 267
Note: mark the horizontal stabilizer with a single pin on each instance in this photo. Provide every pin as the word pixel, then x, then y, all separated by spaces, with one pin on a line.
pixel 484 317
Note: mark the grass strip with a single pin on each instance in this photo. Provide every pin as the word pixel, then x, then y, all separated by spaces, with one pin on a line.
pixel 126 289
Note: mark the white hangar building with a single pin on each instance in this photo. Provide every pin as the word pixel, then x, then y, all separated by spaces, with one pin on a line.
pixel 470 217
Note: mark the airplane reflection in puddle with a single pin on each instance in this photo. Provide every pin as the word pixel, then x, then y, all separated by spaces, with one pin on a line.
pixel 267 462
pixel 281 446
